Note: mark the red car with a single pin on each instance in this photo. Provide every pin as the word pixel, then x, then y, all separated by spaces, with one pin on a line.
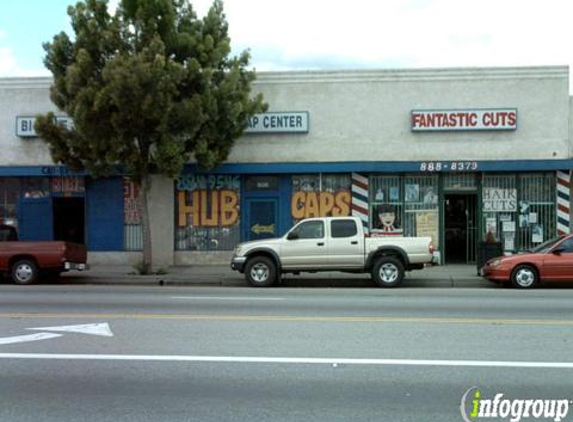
pixel 550 261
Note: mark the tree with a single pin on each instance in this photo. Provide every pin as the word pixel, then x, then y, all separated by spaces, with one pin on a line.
pixel 147 89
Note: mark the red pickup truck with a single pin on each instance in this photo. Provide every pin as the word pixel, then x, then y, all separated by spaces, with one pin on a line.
pixel 26 261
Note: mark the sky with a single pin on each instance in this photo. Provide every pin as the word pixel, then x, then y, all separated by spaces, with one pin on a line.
pixel 341 34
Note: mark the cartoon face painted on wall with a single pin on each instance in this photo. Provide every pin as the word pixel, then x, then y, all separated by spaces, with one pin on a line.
pixel 387 221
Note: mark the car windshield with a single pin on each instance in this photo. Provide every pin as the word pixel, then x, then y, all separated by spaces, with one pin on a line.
pixel 544 247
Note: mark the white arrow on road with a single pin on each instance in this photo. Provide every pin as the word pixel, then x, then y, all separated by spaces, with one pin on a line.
pixel 100 329
pixel 29 337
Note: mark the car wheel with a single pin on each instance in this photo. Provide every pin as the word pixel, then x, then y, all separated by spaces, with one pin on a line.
pixel 388 272
pixel 25 271
pixel 261 272
pixel 524 277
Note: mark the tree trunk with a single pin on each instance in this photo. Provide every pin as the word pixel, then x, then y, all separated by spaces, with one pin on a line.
pixel 147 264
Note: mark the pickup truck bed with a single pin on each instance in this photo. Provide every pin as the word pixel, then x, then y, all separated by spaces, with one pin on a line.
pixel 25 261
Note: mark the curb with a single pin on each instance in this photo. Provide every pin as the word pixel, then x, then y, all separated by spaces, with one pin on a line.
pixel 220 281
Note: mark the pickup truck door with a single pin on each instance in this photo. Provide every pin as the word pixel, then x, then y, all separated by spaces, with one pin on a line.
pixel 307 248
pixel 346 244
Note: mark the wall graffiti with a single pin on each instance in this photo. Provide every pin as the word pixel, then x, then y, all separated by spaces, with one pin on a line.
pixel 320 204
pixel 203 208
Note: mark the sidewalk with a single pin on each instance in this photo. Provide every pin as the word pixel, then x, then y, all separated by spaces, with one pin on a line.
pixel 222 275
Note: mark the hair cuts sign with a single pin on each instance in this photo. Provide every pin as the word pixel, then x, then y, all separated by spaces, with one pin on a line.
pixel 482 119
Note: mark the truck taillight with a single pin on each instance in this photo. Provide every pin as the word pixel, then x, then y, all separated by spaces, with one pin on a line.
pixel 432 249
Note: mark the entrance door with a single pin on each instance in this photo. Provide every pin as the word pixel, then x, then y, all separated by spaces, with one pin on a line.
pixel 460 228
pixel 262 218
pixel 69 219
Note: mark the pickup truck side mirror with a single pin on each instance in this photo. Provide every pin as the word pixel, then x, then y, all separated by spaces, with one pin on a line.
pixel 292 236
pixel 558 250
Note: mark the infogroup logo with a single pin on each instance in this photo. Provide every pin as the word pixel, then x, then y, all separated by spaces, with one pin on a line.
pixel 475 407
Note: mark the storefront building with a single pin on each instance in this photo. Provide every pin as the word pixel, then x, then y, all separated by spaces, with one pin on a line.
pixel 453 154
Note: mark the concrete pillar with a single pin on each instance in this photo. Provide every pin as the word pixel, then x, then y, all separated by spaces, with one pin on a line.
pixel 161 216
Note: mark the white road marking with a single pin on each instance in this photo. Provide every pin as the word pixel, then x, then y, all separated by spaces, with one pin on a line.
pixel 225 298
pixel 101 329
pixel 28 337
pixel 285 360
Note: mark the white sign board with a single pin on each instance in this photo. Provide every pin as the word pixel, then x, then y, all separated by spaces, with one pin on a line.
pixel 279 122
pixel 480 119
pixel 25 125
pixel 499 200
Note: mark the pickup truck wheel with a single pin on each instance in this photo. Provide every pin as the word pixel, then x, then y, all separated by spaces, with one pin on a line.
pixel 261 272
pixel 388 272
pixel 25 271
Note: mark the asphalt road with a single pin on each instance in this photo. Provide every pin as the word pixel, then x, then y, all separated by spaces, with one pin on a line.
pixel 236 354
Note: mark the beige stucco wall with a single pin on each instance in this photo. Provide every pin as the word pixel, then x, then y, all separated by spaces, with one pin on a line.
pixel 23 97
pixel 364 115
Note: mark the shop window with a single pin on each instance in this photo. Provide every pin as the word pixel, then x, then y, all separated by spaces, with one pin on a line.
pixel 320 195
pixel 9 194
pixel 536 210
pixel 207 212
pixel 35 187
pixel 421 207
pixel 519 210
pixel 386 205
pixel 499 207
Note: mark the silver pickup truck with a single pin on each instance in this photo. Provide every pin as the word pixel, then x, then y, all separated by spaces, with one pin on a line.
pixel 332 244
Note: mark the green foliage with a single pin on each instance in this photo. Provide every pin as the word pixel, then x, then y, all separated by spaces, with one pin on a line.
pixel 147 88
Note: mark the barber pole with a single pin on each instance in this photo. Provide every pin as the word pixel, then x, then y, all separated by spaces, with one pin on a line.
pixel 360 199
pixel 563 202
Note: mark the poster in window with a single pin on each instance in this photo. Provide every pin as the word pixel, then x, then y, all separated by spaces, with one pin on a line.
pixel 394 194
pixel 412 193
pixel 427 225
pixel 386 221
pixel 430 196
pixel 537 233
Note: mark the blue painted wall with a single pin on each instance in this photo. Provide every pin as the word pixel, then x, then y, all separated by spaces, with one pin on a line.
pixel 104 213
pixel 35 219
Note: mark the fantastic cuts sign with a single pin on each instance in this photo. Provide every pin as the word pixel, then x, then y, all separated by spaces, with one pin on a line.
pixel 442 120
pixel 499 200
pixel 282 122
